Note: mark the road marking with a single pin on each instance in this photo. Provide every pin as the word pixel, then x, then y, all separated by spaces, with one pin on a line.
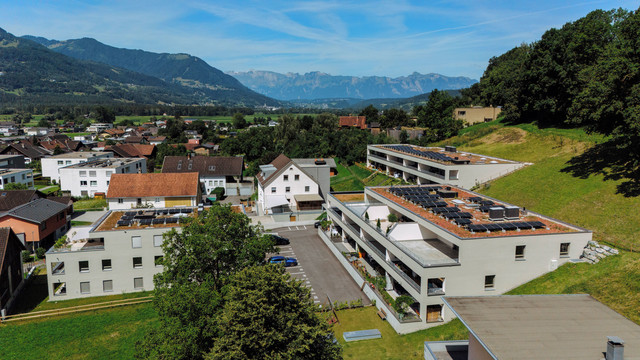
pixel 304 227
pixel 289 228
pixel 286 251
pixel 298 273
pixel 316 301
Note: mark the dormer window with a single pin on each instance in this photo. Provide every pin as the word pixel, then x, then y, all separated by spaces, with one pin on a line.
pixel 212 168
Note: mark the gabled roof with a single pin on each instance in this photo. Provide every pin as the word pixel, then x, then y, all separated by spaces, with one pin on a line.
pixel 281 163
pixel 132 150
pixel 10 199
pixel 205 165
pixel 6 236
pixel 36 211
pixel 153 185
pixel 26 149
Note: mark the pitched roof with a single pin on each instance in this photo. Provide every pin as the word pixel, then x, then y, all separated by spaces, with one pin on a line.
pixel 279 163
pixel 26 149
pixel 6 235
pixel 205 165
pixel 153 184
pixel 9 199
pixel 355 121
pixel 132 150
pixel 37 211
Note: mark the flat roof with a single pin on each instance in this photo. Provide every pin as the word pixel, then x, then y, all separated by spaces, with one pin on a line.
pixel 12 171
pixel 464 215
pixel 80 155
pixel 136 219
pixel 441 155
pixel 104 163
pixel 545 326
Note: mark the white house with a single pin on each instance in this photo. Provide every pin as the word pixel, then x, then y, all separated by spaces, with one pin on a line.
pixel 431 241
pixel 88 178
pixel 50 165
pixel 37 131
pixel 20 176
pixel 214 171
pixel 8 129
pixel 435 165
pixel 287 185
pixel 156 190
pixel 99 127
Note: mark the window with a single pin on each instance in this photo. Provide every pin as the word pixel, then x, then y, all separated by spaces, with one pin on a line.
pixel 43 226
pixel 564 249
pixel 211 183
pixel 68 162
pixel 60 162
pixel 489 282
pixel 136 242
pixel 306 189
pixel 157 240
pixel 520 251
pixel 85 287
pixel 92 174
pixel 108 173
pixel 157 200
pixel 137 283
pixel 13 179
pixel 286 178
pixel 273 190
pixel 83 173
pixel 106 264
pixel 137 263
pixel 24 176
pixel 107 182
pixel 157 260
pixel 83 183
pixel 107 285
pixel 287 189
pixel 120 201
pixel 94 183
pixel 83 265
pixel 296 177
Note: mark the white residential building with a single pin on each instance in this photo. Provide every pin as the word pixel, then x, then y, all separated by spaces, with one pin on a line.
pixel 157 190
pixel 113 256
pixel 214 171
pixel 20 176
pixel 88 178
pixel 446 241
pixel 99 127
pixel 435 165
pixel 9 129
pixel 287 185
pixel 50 165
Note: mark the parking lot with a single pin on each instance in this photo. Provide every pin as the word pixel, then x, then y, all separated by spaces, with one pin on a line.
pixel 318 267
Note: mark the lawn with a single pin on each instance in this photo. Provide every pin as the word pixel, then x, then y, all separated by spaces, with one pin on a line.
pixel 89 204
pixel 356 177
pixel 391 345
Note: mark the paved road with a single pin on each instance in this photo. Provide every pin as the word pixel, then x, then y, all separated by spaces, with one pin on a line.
pixel 318 267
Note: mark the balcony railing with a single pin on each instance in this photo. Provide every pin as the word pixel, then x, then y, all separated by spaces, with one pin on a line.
pixel 435 291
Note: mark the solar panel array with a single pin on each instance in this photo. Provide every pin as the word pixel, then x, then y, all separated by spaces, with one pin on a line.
pixel 151 217
pixel 413 151
pixel 507 226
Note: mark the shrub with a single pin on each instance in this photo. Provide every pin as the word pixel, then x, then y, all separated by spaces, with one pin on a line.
pixel 378 224
pixel 392 217
pixel 60 242
pixel 40 252
pixel 219 192
pixel 26 256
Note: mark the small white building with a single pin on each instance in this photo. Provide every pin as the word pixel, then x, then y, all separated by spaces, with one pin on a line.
pixel 83 138
pixel 9 129
pixel 99 127
pixel 154 190
pixel 20 176
pixel 37 131
pixel 287 185
pixel 88 178
pixel 50 165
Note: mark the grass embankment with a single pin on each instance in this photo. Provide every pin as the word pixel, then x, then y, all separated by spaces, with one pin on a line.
pixel 357 176
pixel 87 204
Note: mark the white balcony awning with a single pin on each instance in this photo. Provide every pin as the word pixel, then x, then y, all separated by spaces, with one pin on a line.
pixel 276 200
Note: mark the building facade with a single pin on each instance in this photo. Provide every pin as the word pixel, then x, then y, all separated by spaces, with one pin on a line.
pixel 12 162
pixel 38 223
pixel 89 178
pixel 434 165
pixel 430 241
pixel 17 176
pixel 155 190
pixel 50 165
pixel 476 114
pixel 214 171
pixel 11 273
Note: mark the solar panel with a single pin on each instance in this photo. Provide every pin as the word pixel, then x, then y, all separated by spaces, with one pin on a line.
pixel 537 224
pixel 157 221
pixel 146 221
pixel 507 226
pixel 186 211
pixel 130 213
pixel 440 203
pixel 486 202
pixel 475 199
pixel 465 215
pixel 174 211
pixel 461 221
pixel 476 228
pixel 123 223
pixel 171 220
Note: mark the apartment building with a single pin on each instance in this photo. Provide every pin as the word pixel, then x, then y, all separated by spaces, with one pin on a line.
pixel 214 171
pixel 157 190
pixel 118 254
pixel 18 176
pixel 50 165
pixel 430 241
pixel 287 185
pixel 99 127
pixel 434 165
pixel 89 178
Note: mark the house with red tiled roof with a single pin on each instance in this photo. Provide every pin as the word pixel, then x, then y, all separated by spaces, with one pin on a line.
pixel 147 151
pixel 159 190
pixel 353 121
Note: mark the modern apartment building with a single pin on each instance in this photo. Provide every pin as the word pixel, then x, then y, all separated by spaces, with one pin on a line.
pixel 50 165
pixel 157 190
pixel 89 178
pixel 118 254
pixel 420 165
pixel 430 241
pixel 19 176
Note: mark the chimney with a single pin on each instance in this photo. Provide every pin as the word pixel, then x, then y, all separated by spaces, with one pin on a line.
pixel 615 348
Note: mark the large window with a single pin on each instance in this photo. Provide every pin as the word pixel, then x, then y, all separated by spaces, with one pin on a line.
pixel 136 242
pixel 83 265
pixel 107 285
pixel 85 288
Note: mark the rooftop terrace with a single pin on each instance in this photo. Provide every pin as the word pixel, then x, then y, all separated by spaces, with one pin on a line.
pixel 470 215
pixel 144 218
pixel 448 155
pixel 81 155
pixel 104 163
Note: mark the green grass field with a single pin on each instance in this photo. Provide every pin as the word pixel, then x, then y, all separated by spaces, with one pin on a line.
pixel 89 204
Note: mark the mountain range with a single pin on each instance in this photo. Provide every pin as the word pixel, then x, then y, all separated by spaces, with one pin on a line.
pixel 318 85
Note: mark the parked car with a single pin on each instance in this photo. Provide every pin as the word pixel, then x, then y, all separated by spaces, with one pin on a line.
pixel 286 261
pixel 279 240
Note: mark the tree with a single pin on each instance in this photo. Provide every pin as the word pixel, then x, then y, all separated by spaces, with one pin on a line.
pixel 393 118
pixel 269 315
pixel 371 113
pixel 15 186
pixel 57 150
pixel 437 115
pixel 104 115
pixel 198 262
pixel 404 137
pixel 43 123
pixel 239 122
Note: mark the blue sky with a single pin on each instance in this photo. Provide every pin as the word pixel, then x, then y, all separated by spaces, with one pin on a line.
pixel 342 37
